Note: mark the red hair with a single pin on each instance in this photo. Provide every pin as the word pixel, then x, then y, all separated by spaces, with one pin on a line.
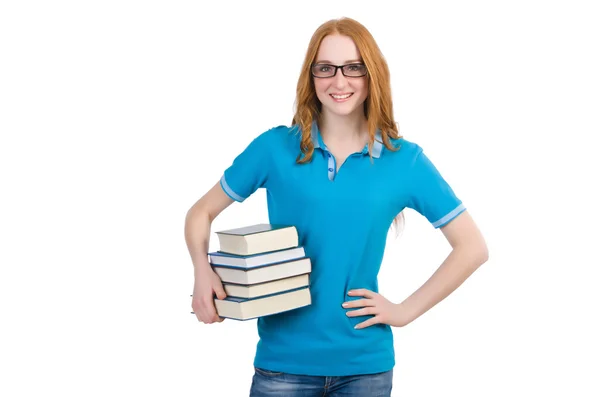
pixel 378 105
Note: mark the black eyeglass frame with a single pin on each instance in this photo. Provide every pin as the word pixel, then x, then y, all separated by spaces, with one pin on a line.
pixel 336 67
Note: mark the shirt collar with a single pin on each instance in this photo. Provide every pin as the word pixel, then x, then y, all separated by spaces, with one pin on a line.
pixel 317 141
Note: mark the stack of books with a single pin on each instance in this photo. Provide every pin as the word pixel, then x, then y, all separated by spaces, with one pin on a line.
pixel 263 269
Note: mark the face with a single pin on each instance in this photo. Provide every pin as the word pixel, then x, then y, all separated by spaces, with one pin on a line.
pixel 339 94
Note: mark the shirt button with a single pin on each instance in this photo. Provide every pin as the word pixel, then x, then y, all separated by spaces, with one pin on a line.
pixel 331 169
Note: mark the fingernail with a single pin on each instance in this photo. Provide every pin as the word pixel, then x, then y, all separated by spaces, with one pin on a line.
pixel 345 304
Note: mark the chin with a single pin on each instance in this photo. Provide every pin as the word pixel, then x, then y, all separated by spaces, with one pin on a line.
pixel 342 110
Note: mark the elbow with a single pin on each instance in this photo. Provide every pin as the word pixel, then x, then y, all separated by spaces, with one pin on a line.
pixel 191 214
pixel 196 213
pixel 475 254
pixel 484 256
pixel 479 249
pixel 481 253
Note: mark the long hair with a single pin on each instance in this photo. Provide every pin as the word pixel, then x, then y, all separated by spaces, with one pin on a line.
pixel 378 105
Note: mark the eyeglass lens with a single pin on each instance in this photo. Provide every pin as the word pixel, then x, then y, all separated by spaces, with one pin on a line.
pixel 350 70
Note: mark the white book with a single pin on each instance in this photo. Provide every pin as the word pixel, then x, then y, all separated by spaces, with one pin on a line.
pixel 256 239
pixel 266 288
pixel 263 273
pixel 245 309
pixel 248 261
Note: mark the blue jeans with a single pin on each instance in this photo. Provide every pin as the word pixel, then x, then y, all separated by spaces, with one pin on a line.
pixel 278 384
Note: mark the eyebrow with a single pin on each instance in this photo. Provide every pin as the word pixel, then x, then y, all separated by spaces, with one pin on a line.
pixel 351 61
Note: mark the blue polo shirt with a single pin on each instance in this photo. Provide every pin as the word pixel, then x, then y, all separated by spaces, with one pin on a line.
pixel 343 218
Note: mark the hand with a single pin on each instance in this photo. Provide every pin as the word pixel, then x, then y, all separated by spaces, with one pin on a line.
pixel 384 311
pixel 207 284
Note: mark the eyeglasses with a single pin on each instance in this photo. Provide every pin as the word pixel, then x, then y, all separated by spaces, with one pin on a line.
pixel 323 70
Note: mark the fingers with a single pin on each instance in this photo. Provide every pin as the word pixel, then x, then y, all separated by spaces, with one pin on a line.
pixel 220 292
pixel 367 308
pixel 362 292
pixel 362 312
pixel 368 323
pixel 358 303
pixel 204 306
pixel 210 311
pixel 205 310
pixel 209 316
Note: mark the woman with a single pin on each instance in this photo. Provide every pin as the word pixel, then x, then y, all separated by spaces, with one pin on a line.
pixel 342 175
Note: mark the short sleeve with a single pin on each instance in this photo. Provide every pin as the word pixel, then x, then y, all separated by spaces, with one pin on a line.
pixel 249 170
pixel 430 194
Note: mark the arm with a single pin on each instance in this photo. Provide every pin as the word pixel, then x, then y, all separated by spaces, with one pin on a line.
pixel 197 234
pixel 469 251
pixel 198 221
pixel 431 196
pixel 248 172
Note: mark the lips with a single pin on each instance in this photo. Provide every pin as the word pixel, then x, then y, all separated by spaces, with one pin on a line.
pixel 343 97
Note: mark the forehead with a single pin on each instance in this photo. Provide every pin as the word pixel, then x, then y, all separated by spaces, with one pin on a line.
pixel 337 49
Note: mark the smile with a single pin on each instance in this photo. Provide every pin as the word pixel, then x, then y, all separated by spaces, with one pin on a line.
pixel 341 98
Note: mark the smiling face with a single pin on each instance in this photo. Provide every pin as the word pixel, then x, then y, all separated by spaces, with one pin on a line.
pixel 340 95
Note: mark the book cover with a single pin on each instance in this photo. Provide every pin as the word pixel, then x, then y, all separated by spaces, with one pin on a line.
pixel 253 229
pixel 266 288
pixel 240 299
pixel 259 266
pixel 250 308
pixel 264 258
pixel 263 273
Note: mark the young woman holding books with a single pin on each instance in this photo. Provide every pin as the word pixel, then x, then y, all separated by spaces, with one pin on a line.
pixel 341 174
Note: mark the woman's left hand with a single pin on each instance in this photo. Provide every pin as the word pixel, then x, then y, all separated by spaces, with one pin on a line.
pixel 382 310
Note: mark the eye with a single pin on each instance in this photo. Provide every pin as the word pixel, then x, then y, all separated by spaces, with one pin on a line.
pixel 324 68
pixel 355 67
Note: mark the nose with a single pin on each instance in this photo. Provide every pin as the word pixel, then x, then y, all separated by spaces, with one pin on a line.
pixel 339 80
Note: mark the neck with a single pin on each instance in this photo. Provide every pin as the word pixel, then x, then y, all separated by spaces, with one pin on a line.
pixel 350 128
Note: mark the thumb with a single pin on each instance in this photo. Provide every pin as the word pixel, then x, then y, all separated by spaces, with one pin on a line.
pixel 220 292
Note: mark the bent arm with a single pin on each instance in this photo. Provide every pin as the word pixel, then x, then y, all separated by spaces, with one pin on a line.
pixel 469 251
pixel 198 221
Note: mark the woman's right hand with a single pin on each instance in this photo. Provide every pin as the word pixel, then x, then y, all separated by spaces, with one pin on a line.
pixel 207 284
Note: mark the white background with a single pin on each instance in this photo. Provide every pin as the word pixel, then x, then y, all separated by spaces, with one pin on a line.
pixel 116 116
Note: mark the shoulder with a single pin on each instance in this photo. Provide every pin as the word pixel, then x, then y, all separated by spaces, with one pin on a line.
pixel 273 142
pixel 277 133
pixel 279 137
pixel 406 151
pixel 267 137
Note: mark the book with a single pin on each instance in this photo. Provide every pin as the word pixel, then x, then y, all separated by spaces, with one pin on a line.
pixel 260 274
pixel 248 261
pixel 246 309
pixel 256 239
pixel 266 288
pixel 263 270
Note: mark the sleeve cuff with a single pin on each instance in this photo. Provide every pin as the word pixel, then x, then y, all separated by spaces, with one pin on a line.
pixel 229 191
pixel 448 217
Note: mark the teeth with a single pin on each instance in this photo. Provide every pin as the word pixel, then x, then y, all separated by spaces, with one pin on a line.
pixel 340 96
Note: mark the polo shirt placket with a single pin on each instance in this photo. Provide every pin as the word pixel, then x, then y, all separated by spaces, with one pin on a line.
pixel 332 171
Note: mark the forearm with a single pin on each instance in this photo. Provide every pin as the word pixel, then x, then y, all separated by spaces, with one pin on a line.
pixel 456 268
pixel 197 235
